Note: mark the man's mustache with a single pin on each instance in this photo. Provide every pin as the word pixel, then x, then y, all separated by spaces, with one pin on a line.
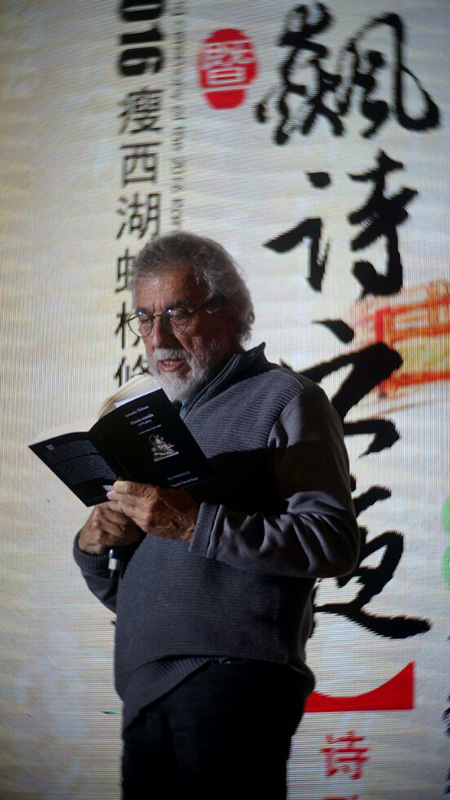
pixel 164 353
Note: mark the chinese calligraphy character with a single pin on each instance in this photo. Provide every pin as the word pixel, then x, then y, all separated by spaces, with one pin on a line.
pixel 304 60
pixel 142 111
pixel 380 217
pixel 124 266
pixel 122 327
pixel 374 579
pixel 307 229
pixel 140 215
pixel 299 98
pixel 343 754
pixel 124 371
pixel 122 375
pixel 375 109
pixel 139 163
pixel 371 365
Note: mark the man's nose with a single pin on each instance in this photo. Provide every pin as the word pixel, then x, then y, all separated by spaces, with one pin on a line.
pixel 160 336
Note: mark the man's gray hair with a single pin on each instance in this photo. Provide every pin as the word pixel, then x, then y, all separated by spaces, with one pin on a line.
pixel 210 263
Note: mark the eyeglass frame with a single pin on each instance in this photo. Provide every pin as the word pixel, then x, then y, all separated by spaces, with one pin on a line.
pixel 136 315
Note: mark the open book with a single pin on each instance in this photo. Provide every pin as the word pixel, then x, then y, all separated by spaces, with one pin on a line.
pixel 139 436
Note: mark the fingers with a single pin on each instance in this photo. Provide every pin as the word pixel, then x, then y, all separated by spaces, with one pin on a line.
pixel 107 527
pixel 139 509
pixel 136 500
pixel 133 488
pixel 170 513
pixel 109 520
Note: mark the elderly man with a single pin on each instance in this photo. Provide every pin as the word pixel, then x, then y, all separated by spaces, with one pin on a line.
pixel 214 601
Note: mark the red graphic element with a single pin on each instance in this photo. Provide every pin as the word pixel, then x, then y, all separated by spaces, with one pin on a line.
pixel 344 755
pixel 227 64
pixel 417 324
pixel 397 694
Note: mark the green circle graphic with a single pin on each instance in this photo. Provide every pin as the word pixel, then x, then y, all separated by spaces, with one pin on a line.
pixel 446 565
pixel 446 515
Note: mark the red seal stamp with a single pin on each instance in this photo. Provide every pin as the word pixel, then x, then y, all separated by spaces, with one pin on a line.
pixel 227 64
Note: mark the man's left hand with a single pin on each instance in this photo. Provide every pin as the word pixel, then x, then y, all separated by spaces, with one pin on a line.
pixel 170 513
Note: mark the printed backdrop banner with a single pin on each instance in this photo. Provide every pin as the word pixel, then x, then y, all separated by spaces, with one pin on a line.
pixel 312 141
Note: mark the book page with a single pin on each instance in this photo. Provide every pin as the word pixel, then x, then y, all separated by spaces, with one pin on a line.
pixel 137 386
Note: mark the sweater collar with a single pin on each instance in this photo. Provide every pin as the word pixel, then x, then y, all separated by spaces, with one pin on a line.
pixel 227 374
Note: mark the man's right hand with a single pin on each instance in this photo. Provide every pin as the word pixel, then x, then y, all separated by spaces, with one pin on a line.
pixel 106 528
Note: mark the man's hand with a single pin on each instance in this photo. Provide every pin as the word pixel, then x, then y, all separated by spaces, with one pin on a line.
pixel 169 513
pixel 106 528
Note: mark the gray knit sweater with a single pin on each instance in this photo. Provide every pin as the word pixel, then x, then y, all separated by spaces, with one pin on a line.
pixel 277 515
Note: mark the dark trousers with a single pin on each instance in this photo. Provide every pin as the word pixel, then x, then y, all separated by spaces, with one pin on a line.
pixel 223 733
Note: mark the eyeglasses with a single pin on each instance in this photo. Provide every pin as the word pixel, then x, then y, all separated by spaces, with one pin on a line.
pixel 173 320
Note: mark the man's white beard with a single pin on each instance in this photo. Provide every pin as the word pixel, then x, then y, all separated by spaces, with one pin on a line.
pixel 182 388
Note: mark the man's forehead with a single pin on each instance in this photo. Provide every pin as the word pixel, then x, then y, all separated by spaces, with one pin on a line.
pixel 173 285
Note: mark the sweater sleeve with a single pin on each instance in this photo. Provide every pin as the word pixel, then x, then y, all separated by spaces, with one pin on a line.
pixel 315 533
pixel 95 572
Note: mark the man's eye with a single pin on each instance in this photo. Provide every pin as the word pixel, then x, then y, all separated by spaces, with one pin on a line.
pixel 177 315
pixel 145 319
